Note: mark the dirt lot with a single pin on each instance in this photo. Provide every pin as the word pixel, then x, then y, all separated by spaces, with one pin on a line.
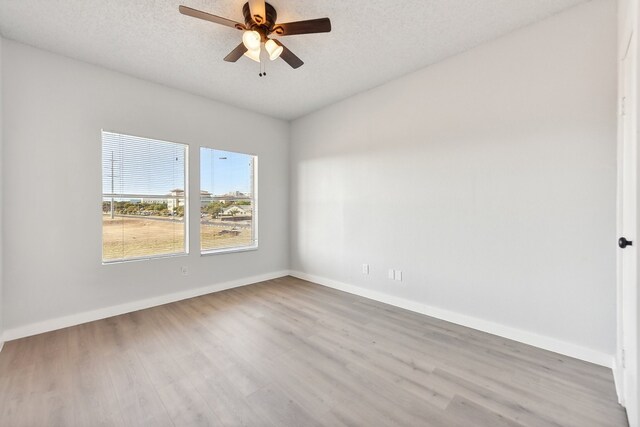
pixel 140 237
pixel 216 237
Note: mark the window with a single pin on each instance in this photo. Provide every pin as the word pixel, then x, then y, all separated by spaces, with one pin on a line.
pixel 144 204
pixel 228 208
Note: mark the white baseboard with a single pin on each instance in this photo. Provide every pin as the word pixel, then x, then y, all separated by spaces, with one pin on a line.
pixel 530 338
pixel 102 313
pixel 617 380
pixel 546 343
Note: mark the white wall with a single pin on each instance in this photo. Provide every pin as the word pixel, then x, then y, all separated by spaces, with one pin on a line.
pixel 1 204
pixel 56 109
pixel 489 179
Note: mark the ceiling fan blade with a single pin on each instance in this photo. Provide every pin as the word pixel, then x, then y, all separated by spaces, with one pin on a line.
pixel 209 17
pixel 258 12
pixel 236 53
pixel 321 25
pixel 289 57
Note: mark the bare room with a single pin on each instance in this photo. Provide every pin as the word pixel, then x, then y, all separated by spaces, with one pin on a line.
pixel 319 213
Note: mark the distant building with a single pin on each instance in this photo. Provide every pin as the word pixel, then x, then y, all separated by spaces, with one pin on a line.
pixel 176 198
pixel 232 196
pixel 238 210
pixel 205 198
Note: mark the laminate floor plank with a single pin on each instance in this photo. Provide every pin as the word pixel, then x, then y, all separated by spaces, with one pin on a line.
pixel 226 400
pixel 186 406
pixel 287 352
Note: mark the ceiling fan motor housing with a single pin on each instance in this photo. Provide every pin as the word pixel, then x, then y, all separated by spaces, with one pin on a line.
pixel 266 25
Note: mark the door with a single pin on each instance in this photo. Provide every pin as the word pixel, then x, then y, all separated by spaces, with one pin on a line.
pixel 627 224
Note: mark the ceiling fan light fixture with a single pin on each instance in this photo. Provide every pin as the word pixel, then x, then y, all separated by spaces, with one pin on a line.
pixel 251 40
pixel 274 49
pixel 260 21
pixel 253 54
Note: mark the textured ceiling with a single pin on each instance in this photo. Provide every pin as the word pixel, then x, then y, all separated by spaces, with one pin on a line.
pixel 371 42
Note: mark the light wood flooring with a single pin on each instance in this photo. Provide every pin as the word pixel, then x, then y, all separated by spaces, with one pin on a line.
pixel 290 353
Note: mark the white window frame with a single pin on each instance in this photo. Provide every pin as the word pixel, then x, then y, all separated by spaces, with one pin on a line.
pixel 254 204
pixel 186 220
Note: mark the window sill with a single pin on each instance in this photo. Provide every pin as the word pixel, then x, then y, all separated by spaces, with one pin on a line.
pixel 148 258
pixel 229 250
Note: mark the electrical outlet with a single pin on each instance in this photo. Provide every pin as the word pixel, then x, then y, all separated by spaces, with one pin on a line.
pixel 398 275
pixel 392 274
pixel 184 270
pixel 365 268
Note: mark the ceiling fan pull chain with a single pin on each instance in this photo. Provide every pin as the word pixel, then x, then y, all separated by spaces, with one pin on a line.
pixel 263 69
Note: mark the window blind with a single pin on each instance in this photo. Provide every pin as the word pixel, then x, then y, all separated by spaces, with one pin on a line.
pixel 143 197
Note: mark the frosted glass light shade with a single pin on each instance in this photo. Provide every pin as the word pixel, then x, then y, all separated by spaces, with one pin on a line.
pixel 273 48
pixel 251 40
pixel 253 54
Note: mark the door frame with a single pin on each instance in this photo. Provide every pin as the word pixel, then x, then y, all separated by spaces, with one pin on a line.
pixel 627 360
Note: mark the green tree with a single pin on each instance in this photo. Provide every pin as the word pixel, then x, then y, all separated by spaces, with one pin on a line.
pixel 214 209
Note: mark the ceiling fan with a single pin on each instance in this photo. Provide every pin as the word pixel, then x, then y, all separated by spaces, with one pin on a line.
pixel 260 22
